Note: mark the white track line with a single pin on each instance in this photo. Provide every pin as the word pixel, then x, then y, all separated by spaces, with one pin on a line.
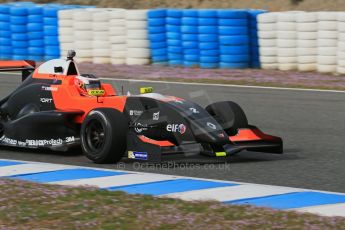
pixel 230 193
pixel 325 210
pixel 31 168
pixel 213 84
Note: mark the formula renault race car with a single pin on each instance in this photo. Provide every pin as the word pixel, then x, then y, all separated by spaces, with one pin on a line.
pixel 58 108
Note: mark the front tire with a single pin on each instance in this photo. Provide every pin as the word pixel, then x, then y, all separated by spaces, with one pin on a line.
pixel 104 136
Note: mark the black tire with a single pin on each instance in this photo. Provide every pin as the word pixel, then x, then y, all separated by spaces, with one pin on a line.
pixel 104 135
pixel 229 115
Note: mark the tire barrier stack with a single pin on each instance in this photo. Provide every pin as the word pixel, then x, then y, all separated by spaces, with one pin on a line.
pixel 138 52
pixel 306 41
pixel 157 36
pixel 18 28
pixel 267 35
pixel 5 33
pixel 101 48
pixel 51 39
pixel 35 33
pixel 341 43
pixel 253 34
pixel 66 34
pixel 327 42
pixel 175 37
pixel 117 37
pixel 192 41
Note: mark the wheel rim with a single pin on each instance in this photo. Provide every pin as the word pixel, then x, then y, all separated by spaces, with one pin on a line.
pixel 95 136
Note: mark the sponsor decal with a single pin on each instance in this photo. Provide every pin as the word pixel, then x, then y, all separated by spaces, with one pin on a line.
pixel 140 127
pixel 96 92
pixel 135 112
pixel 211 125
pixel 37 143
pixel 49 88
pixel 137 155
pixel 174 128
pixel 156 116
pixel 46 100
pixel 194 110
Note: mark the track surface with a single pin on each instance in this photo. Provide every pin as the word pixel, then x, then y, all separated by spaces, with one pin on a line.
pixel 312 125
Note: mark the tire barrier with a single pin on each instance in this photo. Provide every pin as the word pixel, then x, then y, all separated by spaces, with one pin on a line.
pixel 157 36
pixel 117 36
pixel 5 32
pixel 253 33
pixel 174 37
pixel 341 43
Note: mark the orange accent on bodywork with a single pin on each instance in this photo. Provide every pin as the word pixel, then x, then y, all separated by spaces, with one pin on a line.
pixel 155 142
pixel 16 64
pixel 251 134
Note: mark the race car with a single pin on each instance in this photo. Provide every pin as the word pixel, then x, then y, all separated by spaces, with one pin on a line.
pixel 58 108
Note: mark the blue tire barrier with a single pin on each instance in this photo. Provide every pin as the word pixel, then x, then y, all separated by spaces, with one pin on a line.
pixel 156 30
pixel 158 45
pixel 173 35
pixel 191 57
pixel 191 52
pixel 208 29
pixel 4 9
pixel 158 13
pixel 173 21
pixel 35 10
pixel 209 59
pixel 4 18
pixel 208 38
pixel 255 64
pixel 234 40
pixel 232 22
pixel 156 22
pixel 160 58
pixel 5 33
pixel 173 56
pixel 35 19
pixel 212 53
pixel 190 13
pixel 19 36
pixel 36 51
pixel 157 37
pixel 207 13
pixel 189 29
pixel 5 26
pixel 233 14
pixel 19 11
pixel 208 45
pixel 209 65
pixel 19 44
pixel 174 42
pixel 190 44
pixel 254 42
pixel 50 31
pixel 35 58
pixel 175 49
pixel 35 35
pixel 173 28
pixel 233 30
pixel 19 20
pixel 50 21
pixel 175 62
pixel 5 41
pixel 6 57
pixel 161 63
pixel 36 43
pixel 244 49
pixel 207 21
pixel 190 63
pixel 50 12
pixel 51 40
pixel 5 49
pixel 234 58
pixel 224 65
pixel 32 27
pixel 174 13
pixel 52 51
pixel 18 28
pixel 190 37
pixel 253 33
pixel 20 51
pixel 159 52
pixel 19 57
pixel 188 21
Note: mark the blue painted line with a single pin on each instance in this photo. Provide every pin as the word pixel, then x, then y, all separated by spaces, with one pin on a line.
pixel 169 186
pixel 66 174
pixel 293 200
pixel 10 163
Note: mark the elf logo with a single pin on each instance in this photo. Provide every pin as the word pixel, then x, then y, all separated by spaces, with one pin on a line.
pixel 174 128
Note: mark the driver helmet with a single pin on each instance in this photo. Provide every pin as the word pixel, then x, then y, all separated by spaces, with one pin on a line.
pixel 86 83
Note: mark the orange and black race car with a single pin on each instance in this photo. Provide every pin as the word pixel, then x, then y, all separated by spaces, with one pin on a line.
pixel 58 108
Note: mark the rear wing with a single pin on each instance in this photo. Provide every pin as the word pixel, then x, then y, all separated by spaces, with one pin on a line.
pixel 26 67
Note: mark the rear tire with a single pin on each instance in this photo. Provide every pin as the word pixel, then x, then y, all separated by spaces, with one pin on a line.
pixel 104 136
pixel 229 115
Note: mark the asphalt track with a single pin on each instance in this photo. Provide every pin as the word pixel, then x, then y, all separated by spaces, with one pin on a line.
pixel 312 124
